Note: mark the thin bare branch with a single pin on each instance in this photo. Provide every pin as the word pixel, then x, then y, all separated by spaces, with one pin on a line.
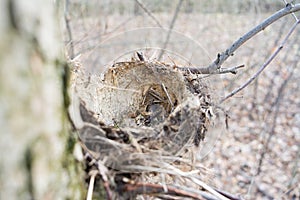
pixel 269 60
pixel 286 3
pixel 215 66
pixel 295 167
pixel 276 43
pixel 272 131
pixel 149 188
pixel 169 169
pixel 170 29
pixel 68 27
pixel 208 188
pixel 196 70
pixel 149 13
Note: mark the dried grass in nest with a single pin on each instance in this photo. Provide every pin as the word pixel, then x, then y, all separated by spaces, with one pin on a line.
pixel 141 125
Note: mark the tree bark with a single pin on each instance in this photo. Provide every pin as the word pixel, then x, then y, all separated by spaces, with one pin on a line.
pixel 36 146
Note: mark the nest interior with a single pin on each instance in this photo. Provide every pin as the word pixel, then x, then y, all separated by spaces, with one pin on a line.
pixel 141 114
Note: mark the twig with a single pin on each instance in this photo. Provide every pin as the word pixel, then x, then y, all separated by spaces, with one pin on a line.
pixel 177 172
pixel 169 98
pixel 170 29
pixel 104 172
pixel 208 188
pixel 271 133
pixel 269 60
pixel 226 194
pixel 67 21
pixel 149 13
pixel 222 57
pixel 286 3
pixel 93 174
pixel 296 186
pixel 276 42
pixel 196 70
pixel 149 188
pixel 254 100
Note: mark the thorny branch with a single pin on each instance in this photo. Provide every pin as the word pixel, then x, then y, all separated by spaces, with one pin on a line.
pixel 215 66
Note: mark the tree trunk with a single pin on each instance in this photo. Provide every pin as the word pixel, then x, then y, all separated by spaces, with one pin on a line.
pixel 36 146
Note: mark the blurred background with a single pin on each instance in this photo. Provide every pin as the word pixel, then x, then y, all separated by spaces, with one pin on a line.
pixel 257 156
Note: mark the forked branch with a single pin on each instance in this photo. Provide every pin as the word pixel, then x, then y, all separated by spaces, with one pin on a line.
pixel 269 60
pixel 215 66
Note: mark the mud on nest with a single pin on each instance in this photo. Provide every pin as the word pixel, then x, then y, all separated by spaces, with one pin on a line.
pixel 140 114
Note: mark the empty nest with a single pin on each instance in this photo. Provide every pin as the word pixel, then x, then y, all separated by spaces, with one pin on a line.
pixel 140 125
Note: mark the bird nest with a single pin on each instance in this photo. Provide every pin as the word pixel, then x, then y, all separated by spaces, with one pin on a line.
pixel 142 123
